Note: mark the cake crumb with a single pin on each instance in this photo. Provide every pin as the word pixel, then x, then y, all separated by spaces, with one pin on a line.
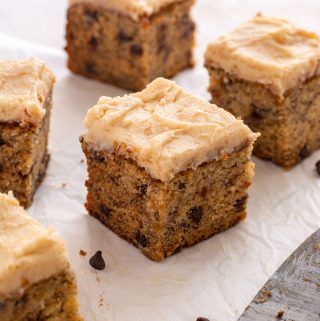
pixel 317 246
pixel 63 185
pixel 81 161
pixel 264 296
pixel 82 253
pixel 280 314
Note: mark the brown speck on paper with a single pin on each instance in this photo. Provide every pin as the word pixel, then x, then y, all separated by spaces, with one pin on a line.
pixel 82 253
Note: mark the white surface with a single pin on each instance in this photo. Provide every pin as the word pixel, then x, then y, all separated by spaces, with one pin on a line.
pixel 216 278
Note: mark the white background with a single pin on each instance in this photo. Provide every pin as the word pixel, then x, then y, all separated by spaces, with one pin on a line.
pixel 216 278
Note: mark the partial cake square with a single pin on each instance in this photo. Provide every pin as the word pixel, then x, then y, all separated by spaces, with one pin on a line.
pixel 166 169
pixel 36 283
pixel 267 72
pixel 25 106
pixel 129 43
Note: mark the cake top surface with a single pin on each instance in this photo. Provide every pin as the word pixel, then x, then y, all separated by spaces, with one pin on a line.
pixel 24 86
pixel 133 8
pixel 29 252
pixel 165 129
pixel 269 51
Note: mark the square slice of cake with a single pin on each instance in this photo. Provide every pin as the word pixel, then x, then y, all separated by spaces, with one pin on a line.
pixel 25 105
pixel 267 71
pixel 129 43
pixel 166 169
pixel 36 283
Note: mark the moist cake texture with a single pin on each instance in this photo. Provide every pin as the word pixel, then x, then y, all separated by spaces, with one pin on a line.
pixel 25 107
pixel 129 43
pixel 36 282
pixel 166 169
pixel 267 72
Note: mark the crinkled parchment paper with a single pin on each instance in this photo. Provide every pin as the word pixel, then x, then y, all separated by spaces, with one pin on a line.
pixel 216 278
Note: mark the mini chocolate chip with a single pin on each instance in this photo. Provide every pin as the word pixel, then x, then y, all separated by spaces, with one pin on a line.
pixel 136 50
pixel 142 239
pixel 123 37
pixel 105 210
pixel 97 261
pixel 190 28
pixel 93 42
pixel 195 214
pixel 304 153
pixel 2 141
pixel 240 204
pixel 90 68
pixel 96 156
pixel 182 186
pixel 2 305
pixel 22 302
pixel 202 319
pixel 92 15
pixel 318 167
pixel 142 189
pixel 204 191
pixel 280 314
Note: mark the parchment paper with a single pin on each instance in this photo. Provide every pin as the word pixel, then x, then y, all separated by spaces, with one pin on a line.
pixel 216 278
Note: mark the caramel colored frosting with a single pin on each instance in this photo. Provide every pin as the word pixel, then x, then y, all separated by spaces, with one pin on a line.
pixel 24 86
pixel 29 252
pixel 165 129
pixel 269 51
pixel 133 8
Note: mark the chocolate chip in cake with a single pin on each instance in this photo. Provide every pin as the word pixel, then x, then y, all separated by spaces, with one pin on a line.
pixel 122 36
pixel 240 204
pixel 97 261
pixel 94 42
pixel 2 141
pixel 142 189
pixel 304 153
pixel 136 50
pixel 189 29
pixel 182 185
pixel 202 319
pixel 142 239
pixel 105 210
pixel 195 214
pixel 90 68
pixel 204 191
pixel 318 167
pixel 95 155
pixel 91 15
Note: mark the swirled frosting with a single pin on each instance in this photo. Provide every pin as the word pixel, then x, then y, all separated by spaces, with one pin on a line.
pixel 165 129
pixel 133 8
pixel 269 51
pixel 29 252
pixel 24 86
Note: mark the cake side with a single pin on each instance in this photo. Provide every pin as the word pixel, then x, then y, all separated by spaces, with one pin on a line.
pixel 155 129
pixel 160 218
pixel 288 125
pixel 269 51
pixel 108 45
pixel 24 155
